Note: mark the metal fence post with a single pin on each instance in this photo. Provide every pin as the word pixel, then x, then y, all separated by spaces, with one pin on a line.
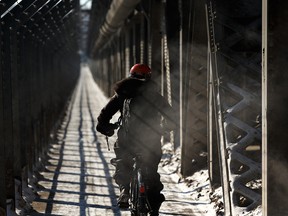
pixel 2 144
pixel 8 115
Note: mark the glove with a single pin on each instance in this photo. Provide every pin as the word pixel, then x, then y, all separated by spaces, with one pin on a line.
pixel 107 129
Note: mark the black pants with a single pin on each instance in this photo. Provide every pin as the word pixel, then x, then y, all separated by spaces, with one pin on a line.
pixel 125 151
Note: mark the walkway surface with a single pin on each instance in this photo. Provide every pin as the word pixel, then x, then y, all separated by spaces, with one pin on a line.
pixel 78 176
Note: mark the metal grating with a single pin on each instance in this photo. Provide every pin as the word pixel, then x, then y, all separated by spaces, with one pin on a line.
pixel 235 59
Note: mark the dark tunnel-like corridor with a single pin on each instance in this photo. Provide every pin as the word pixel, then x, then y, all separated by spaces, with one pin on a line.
pixel 220 64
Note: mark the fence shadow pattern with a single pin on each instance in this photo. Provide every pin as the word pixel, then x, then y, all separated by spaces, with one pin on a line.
pixel 77 179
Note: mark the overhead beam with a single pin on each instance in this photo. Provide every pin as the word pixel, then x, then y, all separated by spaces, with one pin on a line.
pixel 116 15
pixel 5 5
pixel 49 24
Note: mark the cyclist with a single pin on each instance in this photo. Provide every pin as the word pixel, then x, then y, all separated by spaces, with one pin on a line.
pixel 143 134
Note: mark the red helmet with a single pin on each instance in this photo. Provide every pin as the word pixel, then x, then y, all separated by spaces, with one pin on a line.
pixel 140 71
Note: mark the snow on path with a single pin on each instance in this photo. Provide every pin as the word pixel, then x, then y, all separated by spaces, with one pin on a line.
pixel 78 176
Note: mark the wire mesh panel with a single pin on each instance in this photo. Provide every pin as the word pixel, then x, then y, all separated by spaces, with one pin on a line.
pixel 6 6
pixel 235 60
pixel 38 52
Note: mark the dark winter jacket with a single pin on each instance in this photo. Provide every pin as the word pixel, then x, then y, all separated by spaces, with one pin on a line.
pixel 145 126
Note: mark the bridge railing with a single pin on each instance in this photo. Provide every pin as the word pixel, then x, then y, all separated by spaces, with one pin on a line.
pixel 39 69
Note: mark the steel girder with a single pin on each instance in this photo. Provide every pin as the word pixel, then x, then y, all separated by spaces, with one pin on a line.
pixel 193 78
pixel 235 83
pixel 114 19
pixel 33 59
pixel 275 102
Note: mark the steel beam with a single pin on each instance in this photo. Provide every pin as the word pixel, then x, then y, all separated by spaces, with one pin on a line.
pixel 156 13
pixel 43 11
pixel 2 125
pixel 194 78
pixel 275 102
pixel 23 12
pixel 118 12
pixel 8 113
pixel 5 5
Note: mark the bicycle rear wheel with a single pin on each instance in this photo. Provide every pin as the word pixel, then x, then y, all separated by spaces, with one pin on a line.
pixel 134 196
pixel 139 206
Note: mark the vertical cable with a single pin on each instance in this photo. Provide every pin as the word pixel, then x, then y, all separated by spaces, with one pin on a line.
pixel 264 108
pixel 167 63
pixel 181 71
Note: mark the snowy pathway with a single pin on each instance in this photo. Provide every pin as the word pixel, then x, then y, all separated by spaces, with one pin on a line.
pixel 78 177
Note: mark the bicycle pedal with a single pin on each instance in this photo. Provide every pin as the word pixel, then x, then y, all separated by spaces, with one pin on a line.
pixel 123 201
pixel 123 205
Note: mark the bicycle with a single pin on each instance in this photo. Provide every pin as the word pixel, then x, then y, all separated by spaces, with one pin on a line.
pixel 139 204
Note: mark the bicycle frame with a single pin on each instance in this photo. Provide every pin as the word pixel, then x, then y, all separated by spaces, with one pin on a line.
pixel 139 202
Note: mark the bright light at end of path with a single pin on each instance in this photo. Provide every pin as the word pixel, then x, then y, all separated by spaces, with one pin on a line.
pixel 86 4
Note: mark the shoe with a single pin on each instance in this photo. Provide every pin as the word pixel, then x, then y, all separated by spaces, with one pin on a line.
pixel 123 200
pixel 155 204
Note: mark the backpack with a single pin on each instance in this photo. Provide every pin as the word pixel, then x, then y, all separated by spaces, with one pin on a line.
pixel 126 114
pixel 140 117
